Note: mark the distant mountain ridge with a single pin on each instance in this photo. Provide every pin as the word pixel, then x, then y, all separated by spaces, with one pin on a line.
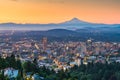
pixel 75 21
pixel 72 24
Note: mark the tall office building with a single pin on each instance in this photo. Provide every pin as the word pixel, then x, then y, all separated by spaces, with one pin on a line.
pixel 44 41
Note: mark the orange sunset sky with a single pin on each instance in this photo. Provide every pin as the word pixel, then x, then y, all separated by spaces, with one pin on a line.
pixel 55 11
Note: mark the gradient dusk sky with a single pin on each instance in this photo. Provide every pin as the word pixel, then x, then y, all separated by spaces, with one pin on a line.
pixel 55 11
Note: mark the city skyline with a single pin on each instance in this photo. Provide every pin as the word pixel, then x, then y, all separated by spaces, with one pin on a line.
pixel 55 11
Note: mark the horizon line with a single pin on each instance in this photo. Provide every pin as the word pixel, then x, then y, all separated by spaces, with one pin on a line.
pixel 12 22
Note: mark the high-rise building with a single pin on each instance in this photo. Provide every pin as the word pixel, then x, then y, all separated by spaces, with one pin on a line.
pixel 44 41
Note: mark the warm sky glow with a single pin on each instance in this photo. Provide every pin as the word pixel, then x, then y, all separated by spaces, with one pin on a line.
pixel 49 11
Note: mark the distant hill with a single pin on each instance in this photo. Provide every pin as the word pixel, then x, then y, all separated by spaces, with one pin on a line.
pixel 72 24
pixel 112 35
pixel 104 34
pixel 54 33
